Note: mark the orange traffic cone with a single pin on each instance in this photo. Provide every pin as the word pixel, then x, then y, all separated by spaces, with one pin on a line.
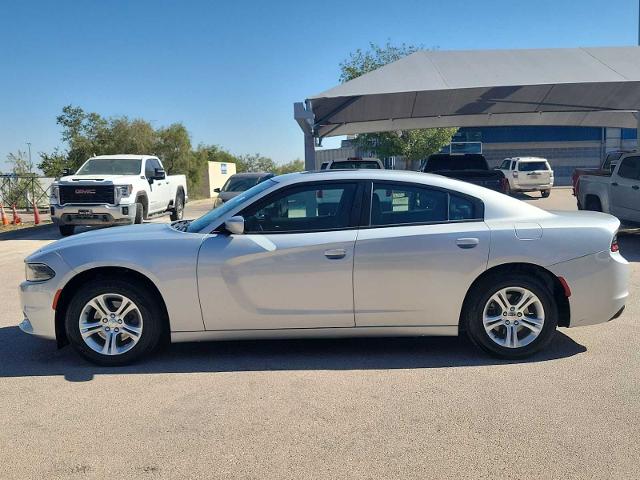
pixel 5 220
pixel 36 214
pixel 16 218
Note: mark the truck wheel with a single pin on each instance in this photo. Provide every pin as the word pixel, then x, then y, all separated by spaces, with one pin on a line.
pixel 178 210
pixel 66 230
pixel 593 204
pixel 545 193
pixel 139 213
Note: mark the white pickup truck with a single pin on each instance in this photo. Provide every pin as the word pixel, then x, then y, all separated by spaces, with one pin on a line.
pixel 116 190
pixel 617 192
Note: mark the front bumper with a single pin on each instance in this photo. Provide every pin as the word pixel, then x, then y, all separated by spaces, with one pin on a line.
pixel 39 316
pixel 599 286
pixel 79 214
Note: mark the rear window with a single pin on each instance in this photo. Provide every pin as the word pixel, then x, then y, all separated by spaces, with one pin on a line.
pixel 350 164
pixel 532 166
pixel 437 163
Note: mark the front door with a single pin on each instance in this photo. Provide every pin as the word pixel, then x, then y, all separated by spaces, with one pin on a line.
pixel 625 190
pixel 292 268
pixel 415 263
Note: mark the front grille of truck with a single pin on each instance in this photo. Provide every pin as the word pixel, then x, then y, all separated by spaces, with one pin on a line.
pixel 86 194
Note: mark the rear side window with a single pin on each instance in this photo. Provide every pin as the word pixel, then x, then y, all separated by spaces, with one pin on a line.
pixel 396 204
pixel 532 166
pixel 630 168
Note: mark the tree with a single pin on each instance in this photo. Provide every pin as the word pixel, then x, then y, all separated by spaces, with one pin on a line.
pixel 255 163
pixel 411 144
pixel 296 165
pixel 20 164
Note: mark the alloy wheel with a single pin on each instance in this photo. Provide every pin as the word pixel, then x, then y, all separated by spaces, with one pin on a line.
pixel 513 317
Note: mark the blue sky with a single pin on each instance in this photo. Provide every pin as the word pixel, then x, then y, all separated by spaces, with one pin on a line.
pixel 230 71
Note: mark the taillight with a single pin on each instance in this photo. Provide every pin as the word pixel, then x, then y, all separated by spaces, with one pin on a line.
pixel 614 244
pixel 515 174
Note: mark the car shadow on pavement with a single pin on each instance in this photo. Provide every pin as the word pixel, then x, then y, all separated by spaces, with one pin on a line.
pixel 24 356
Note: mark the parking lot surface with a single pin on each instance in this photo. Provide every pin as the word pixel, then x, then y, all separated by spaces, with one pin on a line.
pixel 374 408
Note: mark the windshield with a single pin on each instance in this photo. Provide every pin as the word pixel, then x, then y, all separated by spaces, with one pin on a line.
pixel 531 166
pixel 347 165
pixel 226 207
pixel 111 166
pixel 240 184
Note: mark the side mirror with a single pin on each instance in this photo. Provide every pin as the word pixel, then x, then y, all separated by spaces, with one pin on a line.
pixel 217 190
pixel 65 172
pixel 160 174
pixel 235 225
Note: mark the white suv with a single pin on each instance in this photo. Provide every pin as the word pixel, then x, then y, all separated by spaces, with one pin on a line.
pixel 528 174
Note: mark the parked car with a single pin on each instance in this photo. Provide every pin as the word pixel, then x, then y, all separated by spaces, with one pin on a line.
pixel 116 190
pixel 617 193
pixel 606 168
pixel 528 174
pixel 448 257
pixel 468 167
pixel 353 163
pixel 238 183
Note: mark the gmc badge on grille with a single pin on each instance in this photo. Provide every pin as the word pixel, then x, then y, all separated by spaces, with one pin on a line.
pixel 85 191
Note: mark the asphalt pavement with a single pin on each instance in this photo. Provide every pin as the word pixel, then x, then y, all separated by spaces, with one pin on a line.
pixel 366 409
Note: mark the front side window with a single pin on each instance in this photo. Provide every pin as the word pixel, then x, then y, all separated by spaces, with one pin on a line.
pixel 630 168
pixel 304 208
pixel 394 204
pixel 150 168
pixel 240 183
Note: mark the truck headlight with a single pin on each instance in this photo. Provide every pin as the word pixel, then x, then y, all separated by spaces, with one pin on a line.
pixel 55 194
pixel 38 272
pixel 124 190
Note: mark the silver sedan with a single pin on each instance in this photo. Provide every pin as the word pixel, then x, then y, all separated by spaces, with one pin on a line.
pixel 332 254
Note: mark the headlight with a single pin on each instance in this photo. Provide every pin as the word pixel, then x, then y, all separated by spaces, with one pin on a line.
pixel 124 190
pixel 55 194
pixel 38 272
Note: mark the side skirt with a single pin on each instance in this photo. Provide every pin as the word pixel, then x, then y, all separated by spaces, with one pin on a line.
pixel 343 332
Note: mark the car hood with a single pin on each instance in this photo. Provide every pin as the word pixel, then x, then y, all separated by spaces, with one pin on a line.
pixel 78 179
pixel 224 196
pixel 147 232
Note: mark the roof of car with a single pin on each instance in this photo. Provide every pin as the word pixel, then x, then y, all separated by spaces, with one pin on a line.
pixel 528 159
pixel 123 156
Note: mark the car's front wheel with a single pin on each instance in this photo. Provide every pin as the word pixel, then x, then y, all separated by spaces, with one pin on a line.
pixel 545 193
pixel 114 322
pixel 511 316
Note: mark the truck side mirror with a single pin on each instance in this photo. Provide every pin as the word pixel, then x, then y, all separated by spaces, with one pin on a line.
pixel 65 172
pixel 159 174
pixel 217 190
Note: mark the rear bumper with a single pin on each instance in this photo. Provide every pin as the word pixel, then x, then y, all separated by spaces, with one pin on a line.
pixel 531 188
pixel 78 214
pixel 599 286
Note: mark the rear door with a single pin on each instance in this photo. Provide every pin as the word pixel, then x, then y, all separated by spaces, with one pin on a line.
pixel 533 172
pixel 625 190
pixel 419 254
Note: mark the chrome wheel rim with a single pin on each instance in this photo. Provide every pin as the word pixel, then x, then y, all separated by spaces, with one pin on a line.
pixel 110 324
pixel 513 317
pixel 180 209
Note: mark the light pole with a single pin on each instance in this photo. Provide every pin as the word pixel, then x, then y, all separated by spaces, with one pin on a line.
pixel 29 145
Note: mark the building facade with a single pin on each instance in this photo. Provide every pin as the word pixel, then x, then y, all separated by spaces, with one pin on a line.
pixel 565 147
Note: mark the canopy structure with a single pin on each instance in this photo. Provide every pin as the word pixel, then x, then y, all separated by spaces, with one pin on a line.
pixel 562 87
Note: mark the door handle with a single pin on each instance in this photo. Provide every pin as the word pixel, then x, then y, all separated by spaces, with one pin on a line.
pixel 467 242
pixel 335 254
pixel 614 184
pixel 635 187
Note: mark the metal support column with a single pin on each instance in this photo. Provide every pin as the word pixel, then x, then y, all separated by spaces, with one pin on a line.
pixel 304 116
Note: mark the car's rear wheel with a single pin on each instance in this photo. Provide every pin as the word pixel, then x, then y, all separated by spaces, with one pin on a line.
pixel 66 230
pixel 511 316
pixel 545 193
pixel 114 322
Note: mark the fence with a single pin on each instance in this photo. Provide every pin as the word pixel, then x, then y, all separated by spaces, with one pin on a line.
pixel 24 191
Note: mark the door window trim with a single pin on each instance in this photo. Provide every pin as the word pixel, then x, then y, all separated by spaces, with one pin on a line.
pixel 365 220
pixel 354 216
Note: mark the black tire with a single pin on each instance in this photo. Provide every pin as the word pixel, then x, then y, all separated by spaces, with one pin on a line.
pixel 139 213
pixel 593 203
pixel 177 213
pixel 545 193
pixel 153 320
pixel 507 189
pixel 480 295
pixel 66 230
